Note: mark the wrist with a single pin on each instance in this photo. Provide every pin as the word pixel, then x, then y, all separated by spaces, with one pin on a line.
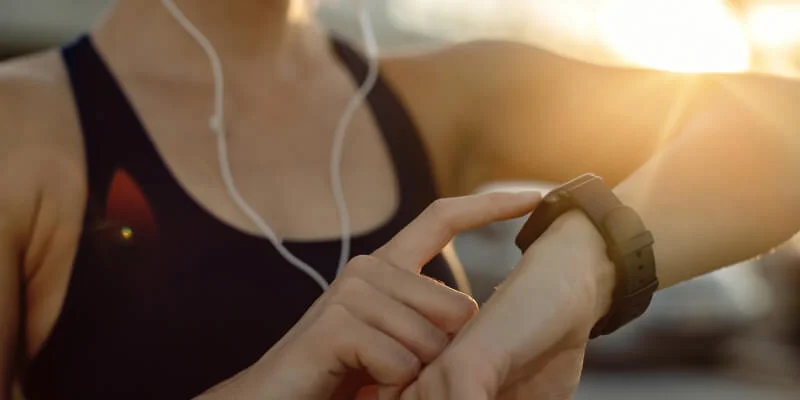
pixel 605 252
pixel 596 271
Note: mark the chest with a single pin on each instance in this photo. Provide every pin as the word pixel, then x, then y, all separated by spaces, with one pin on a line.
pixel 175 316
pixel 280 149
pixel 191 297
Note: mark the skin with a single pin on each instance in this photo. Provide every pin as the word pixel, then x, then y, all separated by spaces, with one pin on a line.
pixel 725 189
pixel 704 181
pixel 379 317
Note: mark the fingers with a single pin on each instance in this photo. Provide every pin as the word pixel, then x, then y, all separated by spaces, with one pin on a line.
pixel 365 348
pixel 425 237
pixel 393 318
pixel 386 319
pixel 446 308
pixel 378 307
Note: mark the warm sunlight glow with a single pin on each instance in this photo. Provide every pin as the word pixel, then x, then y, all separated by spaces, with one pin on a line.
pixel 676 35
pixel 774 26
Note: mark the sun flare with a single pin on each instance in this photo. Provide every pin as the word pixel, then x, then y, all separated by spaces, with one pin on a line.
pixel 676 35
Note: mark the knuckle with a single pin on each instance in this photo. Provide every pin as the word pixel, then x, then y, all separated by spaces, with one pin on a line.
pixel 439 207
pixel 441 210
pixel 334 317
pixel 359 265
pixel 351 288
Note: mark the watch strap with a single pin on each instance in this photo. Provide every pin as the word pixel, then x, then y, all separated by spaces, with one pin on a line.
pixel 628 244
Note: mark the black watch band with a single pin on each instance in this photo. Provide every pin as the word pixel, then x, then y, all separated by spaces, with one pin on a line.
pixel 629 245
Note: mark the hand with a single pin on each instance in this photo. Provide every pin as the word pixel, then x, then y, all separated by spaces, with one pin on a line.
pixel 528 341
pixel 380 319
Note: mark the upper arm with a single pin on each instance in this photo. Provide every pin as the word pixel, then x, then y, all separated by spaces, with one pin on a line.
pixel 24 141
pixel 17 204
pixel 732 168
pixel 546 117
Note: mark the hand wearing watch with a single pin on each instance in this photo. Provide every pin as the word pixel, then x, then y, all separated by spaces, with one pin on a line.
pixel 629 245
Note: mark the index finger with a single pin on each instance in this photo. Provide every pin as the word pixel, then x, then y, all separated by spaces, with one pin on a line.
pixel 426 236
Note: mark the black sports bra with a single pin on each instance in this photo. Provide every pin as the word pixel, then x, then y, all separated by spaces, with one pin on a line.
pixel 166 301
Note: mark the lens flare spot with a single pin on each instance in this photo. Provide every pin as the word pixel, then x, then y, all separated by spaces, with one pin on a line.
pixel 126 233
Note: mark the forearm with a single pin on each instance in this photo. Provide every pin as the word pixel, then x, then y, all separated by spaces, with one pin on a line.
pixel 728 188
pixel 705 209
pixel 724 191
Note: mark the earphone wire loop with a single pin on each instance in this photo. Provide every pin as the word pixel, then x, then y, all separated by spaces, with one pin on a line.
pixel 217 126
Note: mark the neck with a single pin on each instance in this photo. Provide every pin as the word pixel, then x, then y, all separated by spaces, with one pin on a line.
pixel 243 32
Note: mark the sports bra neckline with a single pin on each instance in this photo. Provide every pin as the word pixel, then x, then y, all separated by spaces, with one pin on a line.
pixel 355 65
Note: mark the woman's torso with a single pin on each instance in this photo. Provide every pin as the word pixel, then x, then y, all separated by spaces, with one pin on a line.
pixel 167 311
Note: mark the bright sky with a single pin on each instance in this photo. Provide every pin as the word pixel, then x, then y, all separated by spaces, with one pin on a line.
pixel 675 35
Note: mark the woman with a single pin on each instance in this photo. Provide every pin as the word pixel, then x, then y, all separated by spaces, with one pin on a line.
pixel 156 285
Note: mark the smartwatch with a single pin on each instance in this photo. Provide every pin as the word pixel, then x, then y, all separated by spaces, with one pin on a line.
pixel 629 245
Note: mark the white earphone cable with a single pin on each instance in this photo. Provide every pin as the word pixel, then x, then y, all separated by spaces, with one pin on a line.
pixel 217 125
pixel 341 130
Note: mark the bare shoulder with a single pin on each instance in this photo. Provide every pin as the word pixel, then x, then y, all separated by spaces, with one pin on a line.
pixel 41 161
pixel 35 99
pixel 466 57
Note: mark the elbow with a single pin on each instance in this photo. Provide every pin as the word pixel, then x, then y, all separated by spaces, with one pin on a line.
pixel 774 168
pixel 754 134
pixel 775 147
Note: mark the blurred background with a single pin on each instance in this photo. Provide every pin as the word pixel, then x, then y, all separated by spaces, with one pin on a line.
pixel 731 335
